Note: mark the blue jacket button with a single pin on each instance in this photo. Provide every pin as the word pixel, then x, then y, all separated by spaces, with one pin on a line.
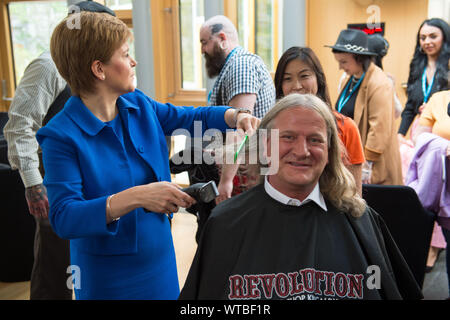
pixel 141 149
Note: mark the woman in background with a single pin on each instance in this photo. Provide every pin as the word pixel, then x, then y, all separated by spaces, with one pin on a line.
pixel 368 99
pixel 428 74
pixel 427 71
pixel 299 71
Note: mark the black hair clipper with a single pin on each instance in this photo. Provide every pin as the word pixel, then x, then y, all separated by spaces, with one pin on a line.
pixel 202 192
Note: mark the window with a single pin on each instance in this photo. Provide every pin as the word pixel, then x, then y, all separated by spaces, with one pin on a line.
pixel 191 19
pixel 257 23
pixel 25 31
pixel 178 64
pixel 123 10
pixel 119 4
pixel 32 24
pixel 264 37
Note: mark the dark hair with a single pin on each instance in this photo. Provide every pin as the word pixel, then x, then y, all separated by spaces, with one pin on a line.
pixel 363 60
pixel 307 56
pixel 380 46
pixel 420 59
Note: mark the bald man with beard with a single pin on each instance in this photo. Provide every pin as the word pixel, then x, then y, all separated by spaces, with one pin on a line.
pixel 243 82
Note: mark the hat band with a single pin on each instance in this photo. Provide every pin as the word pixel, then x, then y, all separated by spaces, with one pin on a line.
pixel 353 47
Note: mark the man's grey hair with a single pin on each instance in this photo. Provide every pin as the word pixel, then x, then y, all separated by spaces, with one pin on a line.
pixel 336 183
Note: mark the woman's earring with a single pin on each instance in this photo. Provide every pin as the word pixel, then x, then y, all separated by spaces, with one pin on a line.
pixel 421 50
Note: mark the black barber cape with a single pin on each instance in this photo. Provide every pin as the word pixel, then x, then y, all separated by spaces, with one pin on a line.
pixel 254 247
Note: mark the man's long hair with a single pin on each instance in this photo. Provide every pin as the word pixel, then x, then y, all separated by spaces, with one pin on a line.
pixel 337 184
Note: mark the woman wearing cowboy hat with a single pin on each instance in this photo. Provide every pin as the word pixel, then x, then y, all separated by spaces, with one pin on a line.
pixel 367 97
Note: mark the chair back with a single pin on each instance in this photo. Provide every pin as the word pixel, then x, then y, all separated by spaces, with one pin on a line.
pixel 17 228
pixel 409 223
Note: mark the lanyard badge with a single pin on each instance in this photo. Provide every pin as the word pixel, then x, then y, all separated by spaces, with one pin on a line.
pixel 426 90
pixel 344 98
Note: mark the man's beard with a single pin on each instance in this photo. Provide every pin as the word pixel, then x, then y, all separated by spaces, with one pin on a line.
pixel 215 62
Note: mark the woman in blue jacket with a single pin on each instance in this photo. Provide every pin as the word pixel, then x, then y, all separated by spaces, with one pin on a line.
pixel 107 169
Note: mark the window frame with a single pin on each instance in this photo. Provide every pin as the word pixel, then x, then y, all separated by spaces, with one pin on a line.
pixel 6 51
pixel 6 58
pixel 167 50
pixel 167 56
pixel 230 10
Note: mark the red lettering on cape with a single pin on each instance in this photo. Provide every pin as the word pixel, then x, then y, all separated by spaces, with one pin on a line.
pixel 355 286
pixel 329 284
pixel 267 284
pixel 296 287
pixel 252 289
pixel 340 284
pixel 282 287
pixel 236 287
pixel 308 279
pixel 318 276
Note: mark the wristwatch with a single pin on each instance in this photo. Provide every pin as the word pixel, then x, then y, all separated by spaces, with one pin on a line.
pixel 240 110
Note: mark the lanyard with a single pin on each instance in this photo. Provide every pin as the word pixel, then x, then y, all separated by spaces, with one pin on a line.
pixel 426 90
pixel 344 98
pixel 233 52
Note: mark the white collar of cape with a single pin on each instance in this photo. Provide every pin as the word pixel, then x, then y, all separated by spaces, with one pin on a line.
pixel 315 196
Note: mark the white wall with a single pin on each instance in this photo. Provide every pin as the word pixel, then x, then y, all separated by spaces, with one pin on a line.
pixel 294 23
pixel 143 46
pixel 439 9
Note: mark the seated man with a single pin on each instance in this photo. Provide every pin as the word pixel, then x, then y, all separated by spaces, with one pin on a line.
pixel 304 232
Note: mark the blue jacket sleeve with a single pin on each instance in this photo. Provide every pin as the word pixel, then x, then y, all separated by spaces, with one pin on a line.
pixel 174 117
pixel 71 215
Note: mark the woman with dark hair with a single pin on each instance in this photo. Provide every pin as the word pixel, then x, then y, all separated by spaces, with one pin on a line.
pixel 367 97
pixel 427 71
pixel 299 71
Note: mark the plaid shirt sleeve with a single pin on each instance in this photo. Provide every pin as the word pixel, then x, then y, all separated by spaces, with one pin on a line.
pixel 248 74
pixel 242 77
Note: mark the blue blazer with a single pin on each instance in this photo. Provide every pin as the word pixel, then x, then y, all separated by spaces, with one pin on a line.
pixel 85 162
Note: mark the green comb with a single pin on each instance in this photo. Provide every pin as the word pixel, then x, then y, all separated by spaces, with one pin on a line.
pixel 240 148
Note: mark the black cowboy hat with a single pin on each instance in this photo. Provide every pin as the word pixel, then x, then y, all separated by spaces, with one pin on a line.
pixel 353 41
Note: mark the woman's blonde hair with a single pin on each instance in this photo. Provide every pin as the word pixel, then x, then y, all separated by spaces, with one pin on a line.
pixel 337 184
pixel 74 48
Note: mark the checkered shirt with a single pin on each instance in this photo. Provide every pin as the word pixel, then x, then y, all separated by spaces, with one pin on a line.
pixel 244 72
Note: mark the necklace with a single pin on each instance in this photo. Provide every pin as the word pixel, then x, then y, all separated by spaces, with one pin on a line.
pixel 353 83
pixel 344 98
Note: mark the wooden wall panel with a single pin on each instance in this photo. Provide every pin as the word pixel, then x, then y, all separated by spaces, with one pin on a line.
pixel 326 18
